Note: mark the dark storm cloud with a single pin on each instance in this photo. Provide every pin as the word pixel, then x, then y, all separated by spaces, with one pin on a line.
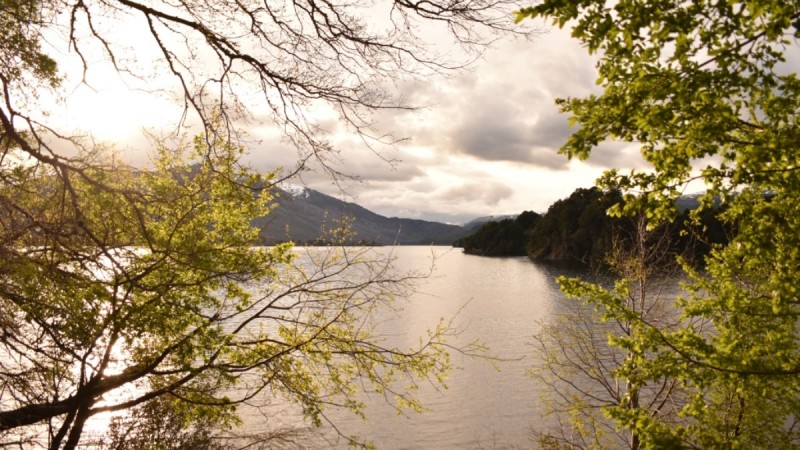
pixel 616 154
pixel 504 112
pixel 502 131
pixel 376 169
pixel 493 138
pixel 552 129
pixel 488 193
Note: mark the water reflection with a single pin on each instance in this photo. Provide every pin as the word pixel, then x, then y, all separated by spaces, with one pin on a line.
pixel 488 405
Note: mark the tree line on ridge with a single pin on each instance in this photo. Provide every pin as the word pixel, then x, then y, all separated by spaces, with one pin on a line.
pixel 578 229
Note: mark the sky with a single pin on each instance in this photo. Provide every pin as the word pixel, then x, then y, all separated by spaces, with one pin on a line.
pixel 485 142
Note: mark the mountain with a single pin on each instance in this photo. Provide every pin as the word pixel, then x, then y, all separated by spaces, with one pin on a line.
pixel 303 215
pixel 477 223
pixel 578 229
pixel 688 202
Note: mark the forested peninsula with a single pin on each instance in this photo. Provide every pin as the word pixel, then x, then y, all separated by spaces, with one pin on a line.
pixel 578 229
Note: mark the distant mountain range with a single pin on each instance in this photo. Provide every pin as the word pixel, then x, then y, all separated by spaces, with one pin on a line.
pixel 476 223
pixel 304 216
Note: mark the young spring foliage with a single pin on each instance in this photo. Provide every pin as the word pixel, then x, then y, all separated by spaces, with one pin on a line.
pixel 594 356
pixel 122 287
pixel 709 91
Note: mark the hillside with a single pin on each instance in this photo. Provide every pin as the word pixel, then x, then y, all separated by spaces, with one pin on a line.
pixel 303 214
pixel 577 229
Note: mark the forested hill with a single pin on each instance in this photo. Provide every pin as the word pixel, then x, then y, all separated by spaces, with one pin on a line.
pixel 577 229
pixel 574 229
pixel 304 216
pixel 506 237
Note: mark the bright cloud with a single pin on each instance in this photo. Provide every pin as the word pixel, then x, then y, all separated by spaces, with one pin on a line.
pixel 486 141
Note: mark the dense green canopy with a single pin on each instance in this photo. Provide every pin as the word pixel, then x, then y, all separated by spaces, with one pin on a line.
pixel 142 291
pixel 709 90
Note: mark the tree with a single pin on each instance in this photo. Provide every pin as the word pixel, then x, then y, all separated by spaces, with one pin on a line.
pixel 122 286
pixel 575 229
pixel 160 425
pixel 708 91
pixel 301 58
pixel 588 355
pixel 504 238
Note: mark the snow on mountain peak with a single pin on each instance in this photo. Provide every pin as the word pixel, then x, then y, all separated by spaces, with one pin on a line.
pixel 294 190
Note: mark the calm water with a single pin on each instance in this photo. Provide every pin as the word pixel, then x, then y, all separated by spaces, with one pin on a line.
pixel 501 302
pixel 497 300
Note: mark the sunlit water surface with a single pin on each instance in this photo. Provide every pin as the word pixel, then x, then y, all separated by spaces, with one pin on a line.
pixel 501 302
pixel 488 404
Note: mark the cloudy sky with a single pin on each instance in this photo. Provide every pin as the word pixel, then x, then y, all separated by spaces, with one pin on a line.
pixel 486 142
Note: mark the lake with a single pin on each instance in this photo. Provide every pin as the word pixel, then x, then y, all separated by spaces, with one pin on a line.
pixel 500 301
